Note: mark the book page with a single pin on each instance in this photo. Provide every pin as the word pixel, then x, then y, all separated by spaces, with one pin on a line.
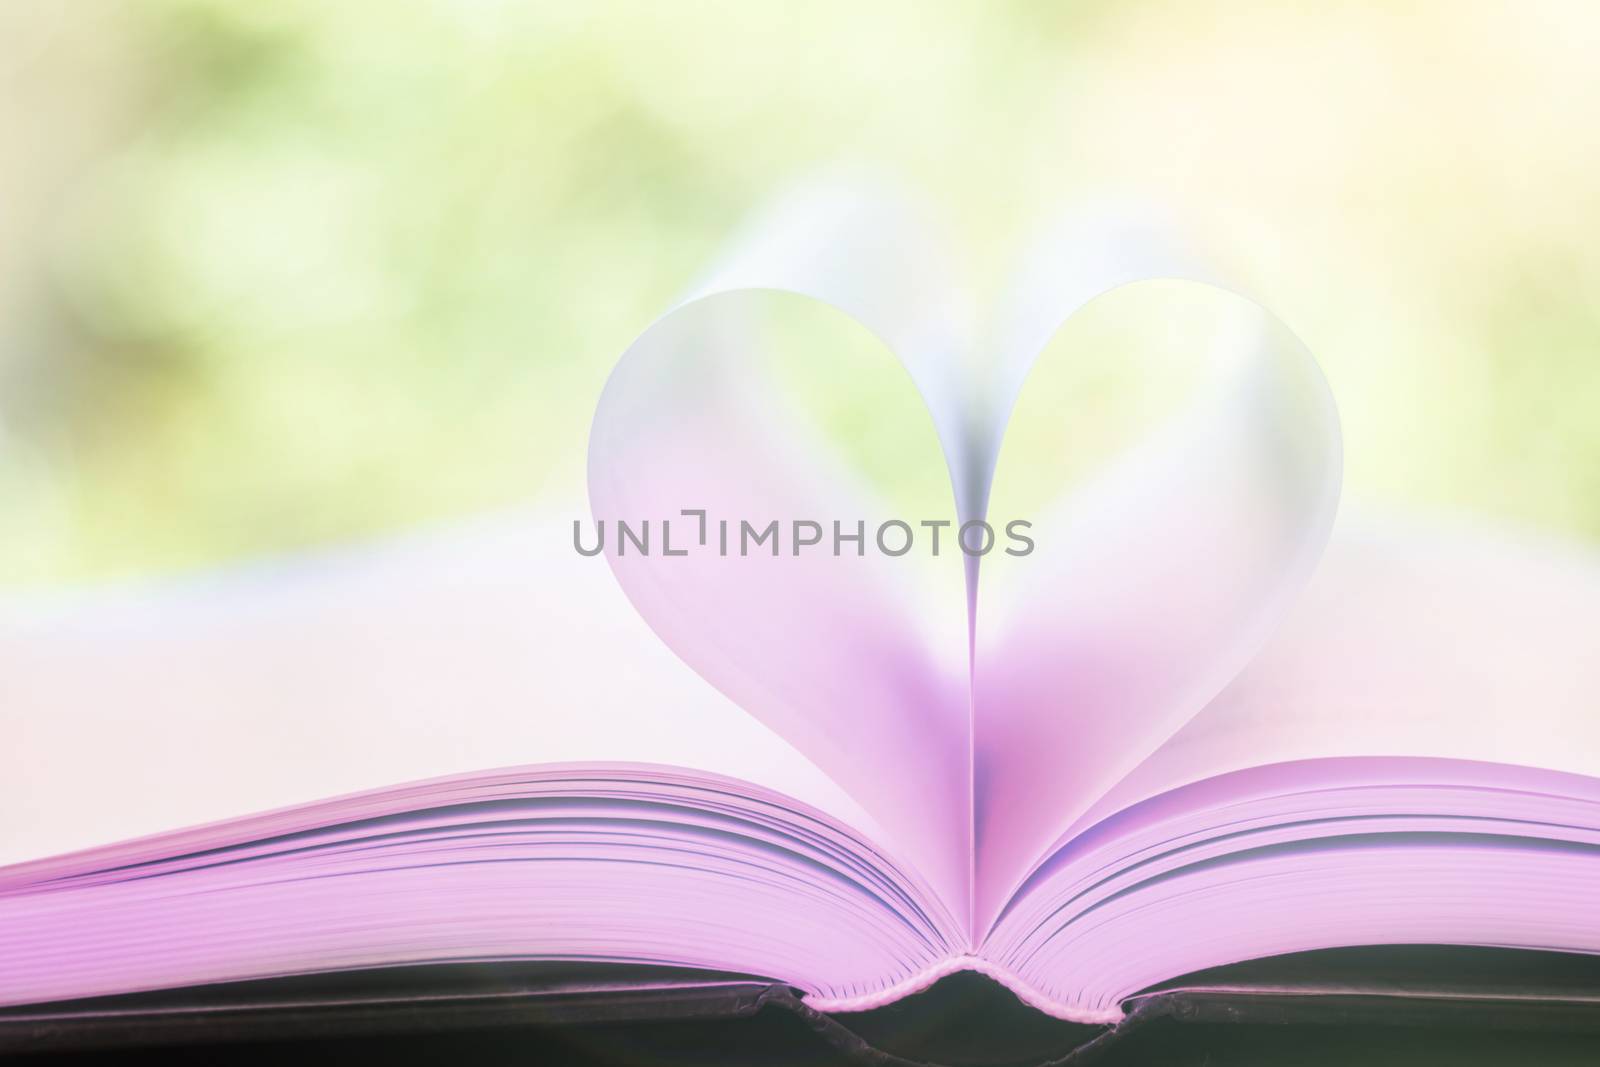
pixel 1156 577
pixel 492 644
pixel 810 594
pixel 1411 641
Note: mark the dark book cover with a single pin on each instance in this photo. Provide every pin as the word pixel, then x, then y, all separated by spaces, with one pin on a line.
pixel 1400 1004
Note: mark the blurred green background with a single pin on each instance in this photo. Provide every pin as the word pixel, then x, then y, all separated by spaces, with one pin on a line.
pixel 276 274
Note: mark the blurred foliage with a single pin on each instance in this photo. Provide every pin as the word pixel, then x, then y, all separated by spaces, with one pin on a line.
pixel 275 274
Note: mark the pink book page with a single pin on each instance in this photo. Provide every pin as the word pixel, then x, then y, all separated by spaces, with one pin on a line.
pixel 1412 639
pixel 1157 579
pixel 142 709
pixel 850 654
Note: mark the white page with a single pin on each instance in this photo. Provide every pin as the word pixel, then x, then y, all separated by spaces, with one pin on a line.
pixel 1412 641
pixel 134 710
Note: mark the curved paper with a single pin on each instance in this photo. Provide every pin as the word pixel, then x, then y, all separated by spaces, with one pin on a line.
pixel 1151 587
pixel 838 654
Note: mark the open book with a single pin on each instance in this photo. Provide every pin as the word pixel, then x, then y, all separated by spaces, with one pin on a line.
pixel 1163 725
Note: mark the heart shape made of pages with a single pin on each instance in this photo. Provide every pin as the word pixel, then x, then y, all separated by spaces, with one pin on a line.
pixel 974 732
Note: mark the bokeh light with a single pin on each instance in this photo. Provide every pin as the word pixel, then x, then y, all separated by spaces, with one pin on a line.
pixel 275 275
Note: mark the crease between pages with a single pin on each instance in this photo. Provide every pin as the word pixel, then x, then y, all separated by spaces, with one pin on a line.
pixel 925 979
